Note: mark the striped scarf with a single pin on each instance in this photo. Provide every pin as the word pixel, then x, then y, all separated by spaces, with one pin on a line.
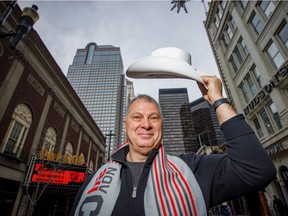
pixel 171 189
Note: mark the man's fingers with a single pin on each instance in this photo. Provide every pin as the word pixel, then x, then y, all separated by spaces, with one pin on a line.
pixel 202 88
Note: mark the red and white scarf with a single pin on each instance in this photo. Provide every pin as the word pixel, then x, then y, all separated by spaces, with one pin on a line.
pixel 171 189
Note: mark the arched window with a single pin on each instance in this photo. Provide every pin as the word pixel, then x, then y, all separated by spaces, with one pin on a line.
pixel 18 130
pixel 68 153
pixel 49 143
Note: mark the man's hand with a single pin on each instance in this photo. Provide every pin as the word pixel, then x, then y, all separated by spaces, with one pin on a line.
pixel 212 91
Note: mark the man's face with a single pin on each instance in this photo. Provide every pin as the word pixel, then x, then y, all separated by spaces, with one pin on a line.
pixel 143 126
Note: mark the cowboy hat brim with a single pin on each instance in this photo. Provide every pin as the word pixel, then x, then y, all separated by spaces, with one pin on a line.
pixel 163 67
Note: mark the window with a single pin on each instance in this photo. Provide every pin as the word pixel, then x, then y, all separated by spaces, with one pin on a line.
pixel 223 3
pixel 258 127
pixel 257 76
pixel 275 115
pixel 239 53
pixel 275 54
pixel 243 46
pixel 228 31
pixel 267 7
pixel 219 13
pixel 68 153
pixel 18 129
pixel 283 34
pixel 233 64
pixel 266 121
pixel 244 92
pixel 49 143
pixel 256 23
pixel 251 85
pixel 216 22
pixel 244 3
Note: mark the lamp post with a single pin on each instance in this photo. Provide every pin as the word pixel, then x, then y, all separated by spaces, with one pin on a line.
pixel 110 135
pixel 28 18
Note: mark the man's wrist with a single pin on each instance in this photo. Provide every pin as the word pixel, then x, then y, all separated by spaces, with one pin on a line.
pixel 219 102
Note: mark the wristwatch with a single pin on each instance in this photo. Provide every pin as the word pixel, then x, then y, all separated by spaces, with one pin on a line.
pixel 217 103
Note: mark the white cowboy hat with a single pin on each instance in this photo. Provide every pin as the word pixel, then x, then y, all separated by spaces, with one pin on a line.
pixel 168 62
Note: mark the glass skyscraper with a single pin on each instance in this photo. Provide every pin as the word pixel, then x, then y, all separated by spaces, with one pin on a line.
pixel 206 124
pixel 97 76
pixel 178 130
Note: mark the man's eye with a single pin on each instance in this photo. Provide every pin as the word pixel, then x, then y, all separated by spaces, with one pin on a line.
pixel 136 118
pixel 154 118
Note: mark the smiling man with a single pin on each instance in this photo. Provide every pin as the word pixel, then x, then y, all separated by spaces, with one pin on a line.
pixel 143 126
pixel 141 179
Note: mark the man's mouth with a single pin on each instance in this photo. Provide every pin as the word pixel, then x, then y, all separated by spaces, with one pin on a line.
pixel 145 135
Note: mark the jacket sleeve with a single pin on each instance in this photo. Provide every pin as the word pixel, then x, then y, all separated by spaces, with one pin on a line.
pixel 246 168
pixel 79 194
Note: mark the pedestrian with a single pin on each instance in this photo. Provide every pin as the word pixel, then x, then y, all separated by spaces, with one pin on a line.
pixel 229 210
pixel 278 206
pixel 141 179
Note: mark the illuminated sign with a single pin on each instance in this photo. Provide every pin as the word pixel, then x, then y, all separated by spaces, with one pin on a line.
pixel 47 173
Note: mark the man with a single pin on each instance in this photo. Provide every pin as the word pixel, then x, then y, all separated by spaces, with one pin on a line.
pixel 141 179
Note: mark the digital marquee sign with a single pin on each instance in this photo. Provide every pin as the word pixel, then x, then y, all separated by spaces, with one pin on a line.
pixel 43 173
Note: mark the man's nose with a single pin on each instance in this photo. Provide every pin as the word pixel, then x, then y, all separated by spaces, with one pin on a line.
pixel 145 123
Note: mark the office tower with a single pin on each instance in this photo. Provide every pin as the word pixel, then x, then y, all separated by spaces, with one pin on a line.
pixel 206 125
pixel 177 121
pixel 249 40
pixel 97 76
pixel 130 91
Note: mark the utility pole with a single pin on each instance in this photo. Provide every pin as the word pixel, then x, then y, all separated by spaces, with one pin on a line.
pixel 110 135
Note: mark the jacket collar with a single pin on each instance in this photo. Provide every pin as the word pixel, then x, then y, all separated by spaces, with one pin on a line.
pixel 120 155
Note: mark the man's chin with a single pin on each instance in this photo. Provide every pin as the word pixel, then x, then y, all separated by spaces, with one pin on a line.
pixel 147 148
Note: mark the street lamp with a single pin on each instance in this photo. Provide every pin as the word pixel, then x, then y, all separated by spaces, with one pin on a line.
pixel 110 135
pixel 28 18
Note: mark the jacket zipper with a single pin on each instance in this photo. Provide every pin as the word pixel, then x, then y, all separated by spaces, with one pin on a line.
pixel 135 186
pixel 134 192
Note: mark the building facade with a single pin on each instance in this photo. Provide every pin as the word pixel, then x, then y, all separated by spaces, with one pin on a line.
pixel 97 76
pixel 49 142
pixel 178 130
pixel 249 40
pixel 206 125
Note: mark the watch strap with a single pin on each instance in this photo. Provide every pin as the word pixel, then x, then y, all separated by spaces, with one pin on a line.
pixel 217 103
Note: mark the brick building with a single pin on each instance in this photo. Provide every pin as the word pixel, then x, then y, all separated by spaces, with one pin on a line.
pixel 49 143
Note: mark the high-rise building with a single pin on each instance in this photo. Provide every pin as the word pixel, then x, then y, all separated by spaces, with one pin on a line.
pixel 97 76
pixel 206 125
pixel 249 40
pixel 177 127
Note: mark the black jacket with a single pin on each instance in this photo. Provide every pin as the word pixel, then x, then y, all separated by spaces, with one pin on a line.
pixel 246 168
